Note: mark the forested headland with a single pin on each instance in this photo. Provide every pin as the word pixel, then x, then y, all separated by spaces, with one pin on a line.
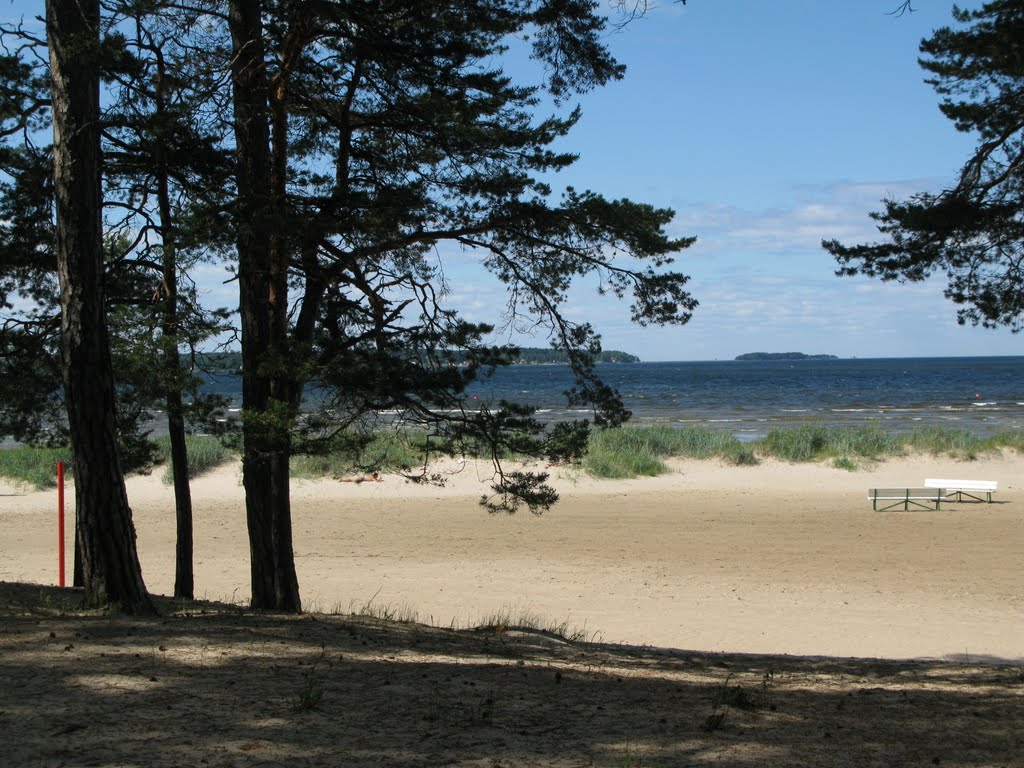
pixel 231 362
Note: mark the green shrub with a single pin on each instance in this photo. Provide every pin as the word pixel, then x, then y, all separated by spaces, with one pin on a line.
pixel 844 462
pixel 742 456
pixel 395 450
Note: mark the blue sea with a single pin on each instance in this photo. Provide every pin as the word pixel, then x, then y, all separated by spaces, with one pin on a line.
pixel 980 394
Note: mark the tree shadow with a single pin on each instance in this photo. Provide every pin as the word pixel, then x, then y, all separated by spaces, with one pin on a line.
pixel 215 685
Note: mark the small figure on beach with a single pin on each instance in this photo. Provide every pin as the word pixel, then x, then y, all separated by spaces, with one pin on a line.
pixel 373 477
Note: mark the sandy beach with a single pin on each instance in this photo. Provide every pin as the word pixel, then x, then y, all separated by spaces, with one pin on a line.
pixel 777 558
pixel 717 616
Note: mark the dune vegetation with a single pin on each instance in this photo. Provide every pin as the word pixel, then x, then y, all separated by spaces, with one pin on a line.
pixel 614 453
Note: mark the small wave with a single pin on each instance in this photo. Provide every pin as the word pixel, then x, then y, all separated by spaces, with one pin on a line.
pixel 982 405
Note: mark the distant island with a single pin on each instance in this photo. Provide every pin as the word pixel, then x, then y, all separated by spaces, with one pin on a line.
pixel 784 356
pixel 548 356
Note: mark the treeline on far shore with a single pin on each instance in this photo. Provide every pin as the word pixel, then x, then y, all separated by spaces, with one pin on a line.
pixel 231 362
pixel 624 452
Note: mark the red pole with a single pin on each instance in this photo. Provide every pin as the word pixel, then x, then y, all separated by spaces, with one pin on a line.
pixel 60 521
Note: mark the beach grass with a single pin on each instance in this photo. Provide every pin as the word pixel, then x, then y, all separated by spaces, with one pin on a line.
pixel 205 453
pixel 849 448
pixel 624 452
pixel 395 449
pixel 638 451
pixel 642 451
pixel 34 467
pixel 813 442
pixel 962 444
pixel 525 618
pixel 386 450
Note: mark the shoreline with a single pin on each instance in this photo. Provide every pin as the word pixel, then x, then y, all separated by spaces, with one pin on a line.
pixel 778 558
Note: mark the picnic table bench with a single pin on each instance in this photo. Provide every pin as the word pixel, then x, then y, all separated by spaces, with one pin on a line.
pixel 922 498
pixel 963 488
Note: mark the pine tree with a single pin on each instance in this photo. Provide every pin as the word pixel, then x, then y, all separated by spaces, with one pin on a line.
pixel 165 174
pixel 105 534
pixel 368 138
pixel 973 231
pixel 369 135
pixel 156 215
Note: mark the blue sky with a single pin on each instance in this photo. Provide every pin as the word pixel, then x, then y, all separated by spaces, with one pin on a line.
pixel 766 126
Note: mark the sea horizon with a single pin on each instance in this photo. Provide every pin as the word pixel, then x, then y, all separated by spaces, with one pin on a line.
pixel 980 394
pixel 834 359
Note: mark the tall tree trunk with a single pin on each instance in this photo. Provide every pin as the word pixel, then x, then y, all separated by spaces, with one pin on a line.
pixel 262 307
pixel 104 531
pixel 184 579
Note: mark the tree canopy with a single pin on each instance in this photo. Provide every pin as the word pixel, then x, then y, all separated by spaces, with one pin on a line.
pixel 973 231
pixel 343 150
pixel 368 138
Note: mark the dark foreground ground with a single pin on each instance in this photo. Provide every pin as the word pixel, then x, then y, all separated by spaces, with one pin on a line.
pixel 212 685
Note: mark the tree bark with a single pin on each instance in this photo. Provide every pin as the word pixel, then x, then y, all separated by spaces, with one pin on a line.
pixel 104 531
pixel 184 578
pixel 263 311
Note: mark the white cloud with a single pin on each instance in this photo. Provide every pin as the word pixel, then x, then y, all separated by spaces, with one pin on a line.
pixel 764 284
pixel 838 211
